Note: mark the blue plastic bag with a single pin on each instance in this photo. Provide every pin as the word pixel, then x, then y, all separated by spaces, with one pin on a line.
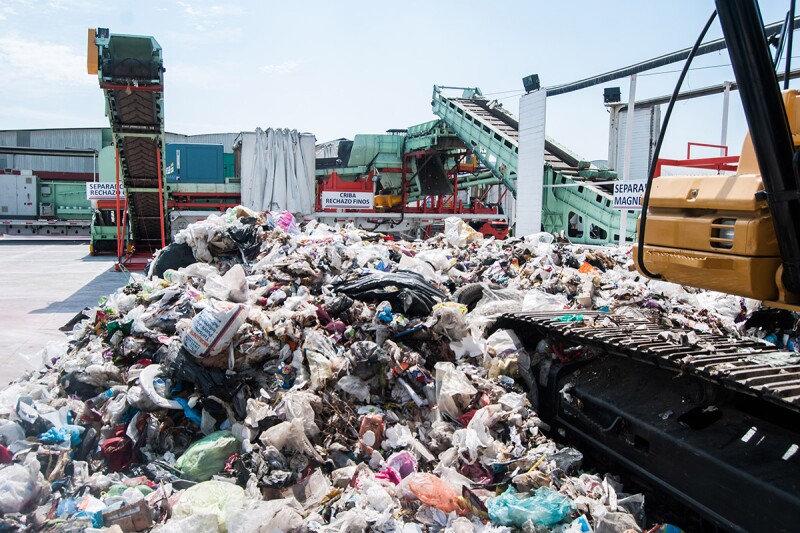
pixel 66 436
pixel 545 508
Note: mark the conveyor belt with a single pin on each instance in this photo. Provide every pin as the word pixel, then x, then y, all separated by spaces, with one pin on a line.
pixel 745 365
pixel 131 77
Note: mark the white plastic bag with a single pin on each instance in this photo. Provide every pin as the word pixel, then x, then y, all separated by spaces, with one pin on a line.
pixel 266 517
pixel 354 385
pixel 18 485
pixel 232 286
pixel 213 328
pixel 536 300
pixel 319 352
pixel 454 390
pixel 458 233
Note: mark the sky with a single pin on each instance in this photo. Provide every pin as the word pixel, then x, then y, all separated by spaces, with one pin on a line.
pixel 340 68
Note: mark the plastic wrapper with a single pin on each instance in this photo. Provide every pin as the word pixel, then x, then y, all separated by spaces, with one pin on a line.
pixel 319 353
pixel 536 300
pixel 545 508
pixel 207 456
pixel 354 385
pixel 20 485
pixel 449 320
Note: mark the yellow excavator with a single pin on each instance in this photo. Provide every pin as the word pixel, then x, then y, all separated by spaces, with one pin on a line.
pixel 737 234
pixel 709 424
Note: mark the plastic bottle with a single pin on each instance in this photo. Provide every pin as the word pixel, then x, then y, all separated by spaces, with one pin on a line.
pixel 100 400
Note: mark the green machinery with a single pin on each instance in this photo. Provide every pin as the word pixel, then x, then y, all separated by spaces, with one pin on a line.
pixel 577 199
pixel 572 203
pixel 130 72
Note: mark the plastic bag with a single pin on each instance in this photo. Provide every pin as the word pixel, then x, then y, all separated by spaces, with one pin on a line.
pixel 536 300
pixel 18 485
pixel 207 456
pixel 612 522
pixel 403 463
pixel 266 516
pixel 232 286
pixel 211 497
pixel 319 351
pixel 454 390
pixel 290 436
pixel 354 385
pixel 298 406
pixel 449 320
pixel 10 432
pixel 212 330
pixel 545 508
pixel 458 233
pixel 432 491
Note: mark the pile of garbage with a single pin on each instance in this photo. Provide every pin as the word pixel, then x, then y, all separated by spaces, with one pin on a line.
pixel 270 377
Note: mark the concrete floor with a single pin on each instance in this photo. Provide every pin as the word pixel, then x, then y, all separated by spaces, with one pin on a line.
pixel 43 284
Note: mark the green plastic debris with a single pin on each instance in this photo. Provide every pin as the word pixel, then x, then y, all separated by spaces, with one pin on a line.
pixel 569 318
pixel 116 325
pixel 545 508
pixel 207 456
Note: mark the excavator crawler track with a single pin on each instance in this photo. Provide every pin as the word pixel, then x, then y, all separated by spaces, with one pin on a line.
pixel 746 365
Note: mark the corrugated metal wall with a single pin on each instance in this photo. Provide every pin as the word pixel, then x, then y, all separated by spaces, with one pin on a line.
pixel 91 138
pixel 225 139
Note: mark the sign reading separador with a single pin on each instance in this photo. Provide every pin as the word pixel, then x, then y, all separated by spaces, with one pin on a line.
pixel 103 191
pixel 628 194
pixel 347 200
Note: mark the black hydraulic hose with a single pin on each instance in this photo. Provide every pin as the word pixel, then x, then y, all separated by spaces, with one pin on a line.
pixel 657 151
pixel 789 45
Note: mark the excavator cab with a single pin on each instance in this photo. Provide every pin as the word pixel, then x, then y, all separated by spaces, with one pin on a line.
pixel 716 232
pixel 738 234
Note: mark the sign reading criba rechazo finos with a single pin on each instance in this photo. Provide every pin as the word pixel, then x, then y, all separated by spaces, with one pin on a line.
pixel 628 194
pixel 347 200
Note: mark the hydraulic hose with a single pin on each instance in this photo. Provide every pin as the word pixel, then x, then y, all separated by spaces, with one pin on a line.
pixel 657 151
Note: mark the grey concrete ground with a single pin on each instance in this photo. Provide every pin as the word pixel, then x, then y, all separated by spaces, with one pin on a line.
pixel 43 284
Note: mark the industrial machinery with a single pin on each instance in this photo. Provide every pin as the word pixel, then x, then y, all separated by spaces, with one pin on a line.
pixel 712 422
pixel 464 164
pixel 405 181
pixel 131 73
pixel 135 220
pixel 492 134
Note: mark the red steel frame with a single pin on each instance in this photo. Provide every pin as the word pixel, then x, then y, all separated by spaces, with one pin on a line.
pixel 439 204
pixel 724 163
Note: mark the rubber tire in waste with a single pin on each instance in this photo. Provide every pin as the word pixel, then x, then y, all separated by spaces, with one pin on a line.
pixel 469 295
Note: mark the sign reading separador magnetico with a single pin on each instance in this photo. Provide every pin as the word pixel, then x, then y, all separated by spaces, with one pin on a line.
pixel 347 200
pixel 103 191
pixel 628 194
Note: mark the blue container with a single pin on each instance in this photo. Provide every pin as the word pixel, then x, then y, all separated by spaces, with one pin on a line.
pixel 195 163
